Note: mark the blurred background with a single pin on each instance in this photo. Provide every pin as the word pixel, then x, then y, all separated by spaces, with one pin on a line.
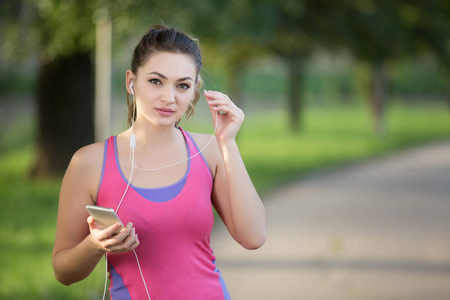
pixel 322 83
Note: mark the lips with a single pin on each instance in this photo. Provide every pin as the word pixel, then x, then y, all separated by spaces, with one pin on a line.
pixel 165 111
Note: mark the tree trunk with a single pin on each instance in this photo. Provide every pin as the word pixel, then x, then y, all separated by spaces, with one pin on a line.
pixel 65 112
pixel 103 41
pixel 295 103
pixel 378 96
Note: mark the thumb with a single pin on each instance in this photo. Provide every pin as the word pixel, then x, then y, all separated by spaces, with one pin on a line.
pixel 92 223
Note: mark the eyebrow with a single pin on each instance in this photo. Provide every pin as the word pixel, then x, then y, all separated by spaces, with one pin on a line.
pixel 164 77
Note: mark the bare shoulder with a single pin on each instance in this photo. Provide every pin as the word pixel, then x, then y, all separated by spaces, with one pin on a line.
pixel 201 139
pixel 211 152
pixel 85 167
pixel 90 156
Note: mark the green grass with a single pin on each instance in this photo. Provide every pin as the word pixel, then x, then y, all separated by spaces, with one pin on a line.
pixel 272 155
pixel 329 137
pixel 28 219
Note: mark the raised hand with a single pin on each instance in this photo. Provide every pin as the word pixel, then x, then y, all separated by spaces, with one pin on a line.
pixel 229 122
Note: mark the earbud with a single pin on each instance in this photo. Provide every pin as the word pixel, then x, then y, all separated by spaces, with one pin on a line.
pixel 131 88
pixel 132 140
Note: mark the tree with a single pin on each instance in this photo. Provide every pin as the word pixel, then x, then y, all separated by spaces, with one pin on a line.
pixel 230 34
pixel 292 30
pixel 245 29
pixel 65 92
pixel 63 34
pixel 59 34
pixel 429 26
pixel 378 32
pixel 377 36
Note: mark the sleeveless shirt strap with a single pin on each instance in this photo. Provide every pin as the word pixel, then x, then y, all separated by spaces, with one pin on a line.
pixel 191 143
pixel 194 149
pixel 109 143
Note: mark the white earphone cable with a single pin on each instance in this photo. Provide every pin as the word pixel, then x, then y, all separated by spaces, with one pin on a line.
pixel 142 275
pixel 133 165
pixel 106 276
pixel 134 251
pixel 181 161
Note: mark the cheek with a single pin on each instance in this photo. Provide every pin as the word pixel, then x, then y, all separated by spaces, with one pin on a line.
pixel 188 97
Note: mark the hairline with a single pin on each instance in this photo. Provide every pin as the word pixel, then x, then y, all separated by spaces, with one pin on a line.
pixel 172 52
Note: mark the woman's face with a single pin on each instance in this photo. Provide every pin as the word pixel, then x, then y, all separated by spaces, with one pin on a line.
pixel 163 88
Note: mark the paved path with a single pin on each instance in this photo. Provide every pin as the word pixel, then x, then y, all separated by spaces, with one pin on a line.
pixel 375 230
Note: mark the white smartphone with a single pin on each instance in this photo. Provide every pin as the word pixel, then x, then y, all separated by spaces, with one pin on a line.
pixel 104 216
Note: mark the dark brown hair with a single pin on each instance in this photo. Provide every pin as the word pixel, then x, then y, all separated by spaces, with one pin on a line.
pixel 160 38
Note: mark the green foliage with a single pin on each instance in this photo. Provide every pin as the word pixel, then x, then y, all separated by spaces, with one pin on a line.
pixel 330 79
pixel 14 81
pixel 369 29
pixel 418 77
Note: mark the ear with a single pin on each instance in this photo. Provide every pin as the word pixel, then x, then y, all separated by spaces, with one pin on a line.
pixel 130 77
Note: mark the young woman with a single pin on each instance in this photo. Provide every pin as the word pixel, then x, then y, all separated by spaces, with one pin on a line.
pixel 164 250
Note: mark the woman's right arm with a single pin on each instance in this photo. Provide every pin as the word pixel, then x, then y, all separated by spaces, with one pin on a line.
pixel 80 244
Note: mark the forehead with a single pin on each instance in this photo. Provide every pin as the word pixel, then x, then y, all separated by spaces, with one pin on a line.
pixel 171 65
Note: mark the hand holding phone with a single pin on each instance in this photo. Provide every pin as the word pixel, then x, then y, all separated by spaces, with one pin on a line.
pixel 104 216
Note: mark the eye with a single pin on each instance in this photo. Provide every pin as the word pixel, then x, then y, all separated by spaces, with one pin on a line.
pixel 184 86
pixel 155 81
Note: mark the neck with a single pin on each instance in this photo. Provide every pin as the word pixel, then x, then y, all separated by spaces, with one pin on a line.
pixel 154 136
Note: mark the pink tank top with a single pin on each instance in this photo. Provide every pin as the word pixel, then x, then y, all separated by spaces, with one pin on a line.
pixel 174 225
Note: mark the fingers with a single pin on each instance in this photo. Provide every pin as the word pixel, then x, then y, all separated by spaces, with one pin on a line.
pixel 212 94
pixel 92 223
pixel 219 102
pixel 123 242
pixel 216 99
pixel 93 226
pixel 212 99
pixel 112 230
pixel 109 241
pixel 215 95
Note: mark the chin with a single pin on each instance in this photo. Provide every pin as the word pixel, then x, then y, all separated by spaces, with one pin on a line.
pixel 169 122
pixel 163 121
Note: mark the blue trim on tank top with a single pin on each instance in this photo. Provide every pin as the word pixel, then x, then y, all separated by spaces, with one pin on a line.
pixel 201 154
pixel 160 194
pixel 105 148
pixel 117 288
pixel 226 294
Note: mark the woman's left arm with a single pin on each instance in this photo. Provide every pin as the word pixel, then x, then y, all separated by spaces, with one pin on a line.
pixel 234 196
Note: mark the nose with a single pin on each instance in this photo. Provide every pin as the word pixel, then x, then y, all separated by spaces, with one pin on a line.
pixel 168 95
